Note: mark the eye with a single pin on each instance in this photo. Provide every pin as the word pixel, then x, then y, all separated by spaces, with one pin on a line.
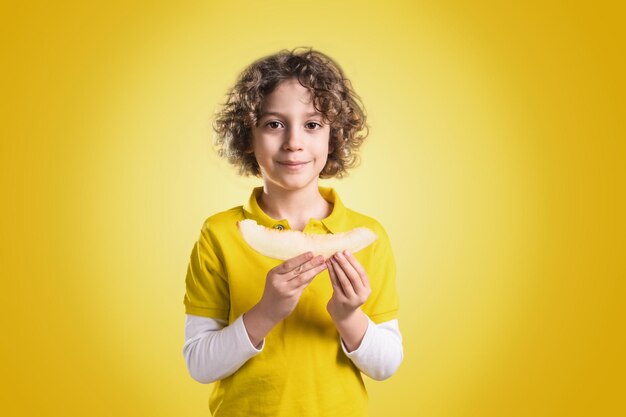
pixel 273 124
pixel 313 125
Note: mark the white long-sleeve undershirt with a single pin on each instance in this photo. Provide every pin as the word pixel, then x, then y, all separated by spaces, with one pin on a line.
pixel 214 350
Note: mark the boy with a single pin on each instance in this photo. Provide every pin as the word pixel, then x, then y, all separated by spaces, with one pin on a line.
pixel 290 338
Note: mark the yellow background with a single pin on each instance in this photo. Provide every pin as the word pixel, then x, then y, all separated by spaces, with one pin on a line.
pixel 495 161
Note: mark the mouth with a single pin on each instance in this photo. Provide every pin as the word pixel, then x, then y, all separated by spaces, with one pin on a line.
pixel 292 165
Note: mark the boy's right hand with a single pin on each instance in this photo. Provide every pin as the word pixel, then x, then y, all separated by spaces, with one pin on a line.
pixel 284 284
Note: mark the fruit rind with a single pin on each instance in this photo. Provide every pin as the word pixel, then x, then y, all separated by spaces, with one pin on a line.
pixel 286 244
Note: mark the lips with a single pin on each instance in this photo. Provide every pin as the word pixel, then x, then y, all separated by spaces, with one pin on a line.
pixel 292 163
pixel 292 166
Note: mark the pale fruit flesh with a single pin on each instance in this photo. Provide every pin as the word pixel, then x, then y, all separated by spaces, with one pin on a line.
pixel 286 244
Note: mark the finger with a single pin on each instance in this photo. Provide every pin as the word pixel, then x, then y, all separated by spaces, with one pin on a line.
pixel 350 272
pixel 305 278
pixel 294 262
pixel 302 268
pixel 342 278
pixel 333 278
pixel 358 267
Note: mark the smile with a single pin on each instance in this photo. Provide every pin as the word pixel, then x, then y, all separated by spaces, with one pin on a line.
pixel 292 166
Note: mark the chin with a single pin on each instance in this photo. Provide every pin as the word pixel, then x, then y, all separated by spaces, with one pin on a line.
pixel 295 185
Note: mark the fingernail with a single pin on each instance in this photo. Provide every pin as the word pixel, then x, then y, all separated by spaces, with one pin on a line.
pixel 346 252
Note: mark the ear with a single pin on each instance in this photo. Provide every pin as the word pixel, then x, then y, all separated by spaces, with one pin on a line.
pixel 335 136
pixel 249 149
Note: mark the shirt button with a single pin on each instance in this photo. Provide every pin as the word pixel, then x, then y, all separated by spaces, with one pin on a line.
pixel 279 227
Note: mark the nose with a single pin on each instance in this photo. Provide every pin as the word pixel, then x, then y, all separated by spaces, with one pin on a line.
pixel 293 139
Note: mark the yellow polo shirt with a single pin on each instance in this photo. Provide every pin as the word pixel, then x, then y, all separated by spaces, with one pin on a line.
pixel 302 370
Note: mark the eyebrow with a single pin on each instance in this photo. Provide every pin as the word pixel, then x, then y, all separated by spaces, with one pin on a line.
pixel 275 113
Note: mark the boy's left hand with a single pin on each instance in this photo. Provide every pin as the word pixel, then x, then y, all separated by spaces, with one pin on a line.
pixel 351 286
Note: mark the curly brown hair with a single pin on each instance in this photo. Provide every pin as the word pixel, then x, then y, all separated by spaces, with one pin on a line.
pixel 332 94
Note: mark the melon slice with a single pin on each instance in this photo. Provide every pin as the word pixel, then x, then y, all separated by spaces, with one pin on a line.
pixel 286 244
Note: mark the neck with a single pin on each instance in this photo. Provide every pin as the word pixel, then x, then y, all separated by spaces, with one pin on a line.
pixel 296 206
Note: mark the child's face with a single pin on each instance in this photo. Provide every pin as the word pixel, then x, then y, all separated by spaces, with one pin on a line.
pixel 291 140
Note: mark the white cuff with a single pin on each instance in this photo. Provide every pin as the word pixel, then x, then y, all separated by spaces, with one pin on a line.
pixel 213 350
pixel 367 338
pixel 243 339
pixel 380 353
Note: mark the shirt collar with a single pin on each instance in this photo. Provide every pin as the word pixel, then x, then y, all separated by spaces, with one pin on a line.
pixel 334 222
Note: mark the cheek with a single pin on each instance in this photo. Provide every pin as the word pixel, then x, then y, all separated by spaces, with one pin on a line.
pixel 322 158
pixel 260 147
pixel 325 149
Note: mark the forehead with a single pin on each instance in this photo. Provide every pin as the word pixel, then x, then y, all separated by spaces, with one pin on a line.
pixel 288 94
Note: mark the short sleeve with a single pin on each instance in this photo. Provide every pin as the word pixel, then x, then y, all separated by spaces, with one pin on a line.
pixel 207 292
pixel 383 303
